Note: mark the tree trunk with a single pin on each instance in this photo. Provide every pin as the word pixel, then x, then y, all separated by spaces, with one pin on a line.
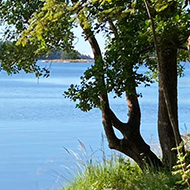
pixel 168 89
pixel 168 129
pixel 132 143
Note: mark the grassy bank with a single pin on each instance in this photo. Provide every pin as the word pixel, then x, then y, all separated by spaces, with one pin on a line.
pixel 119 174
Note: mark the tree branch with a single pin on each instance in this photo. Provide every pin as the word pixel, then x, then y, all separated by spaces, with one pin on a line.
pixel 133 111
pixel 113 141
pixel 116 122
pixel 113 28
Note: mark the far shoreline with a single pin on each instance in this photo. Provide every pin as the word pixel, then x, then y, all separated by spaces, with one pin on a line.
pixel 68 60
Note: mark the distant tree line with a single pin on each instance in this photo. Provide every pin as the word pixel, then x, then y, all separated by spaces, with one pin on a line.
pixel 60 54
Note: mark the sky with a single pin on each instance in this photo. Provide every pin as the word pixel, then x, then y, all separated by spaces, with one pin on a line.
pixel 83 46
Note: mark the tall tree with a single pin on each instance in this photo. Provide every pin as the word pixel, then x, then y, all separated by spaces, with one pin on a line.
pixel 169 22
pixel 134 31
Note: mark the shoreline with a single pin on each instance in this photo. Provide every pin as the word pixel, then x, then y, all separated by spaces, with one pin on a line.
pixel 69 60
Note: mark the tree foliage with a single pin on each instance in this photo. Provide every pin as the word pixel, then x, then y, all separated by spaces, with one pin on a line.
pixel 33 32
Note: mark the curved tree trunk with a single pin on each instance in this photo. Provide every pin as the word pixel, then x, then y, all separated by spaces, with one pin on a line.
pixel 132 143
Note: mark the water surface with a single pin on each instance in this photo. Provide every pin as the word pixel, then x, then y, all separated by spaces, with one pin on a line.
pixel 37 124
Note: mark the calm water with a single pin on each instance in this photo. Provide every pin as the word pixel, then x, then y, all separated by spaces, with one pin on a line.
pixel 37 124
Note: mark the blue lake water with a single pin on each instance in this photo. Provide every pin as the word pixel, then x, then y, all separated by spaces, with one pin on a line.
pixel 37 125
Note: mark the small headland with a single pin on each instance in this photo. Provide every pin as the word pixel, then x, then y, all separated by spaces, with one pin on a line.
pixel 69 60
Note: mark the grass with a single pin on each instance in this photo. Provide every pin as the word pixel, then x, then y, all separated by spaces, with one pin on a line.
pixel 120 174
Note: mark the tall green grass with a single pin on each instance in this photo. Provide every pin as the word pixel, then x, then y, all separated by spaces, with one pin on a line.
pixel 120 174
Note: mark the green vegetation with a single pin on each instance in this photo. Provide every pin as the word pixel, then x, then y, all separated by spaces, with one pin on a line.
pixel 60 54
pixel 182 167
pixel 119 174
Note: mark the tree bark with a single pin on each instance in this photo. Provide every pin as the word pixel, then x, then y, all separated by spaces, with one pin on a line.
pixel 167 121
pixel 132 143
